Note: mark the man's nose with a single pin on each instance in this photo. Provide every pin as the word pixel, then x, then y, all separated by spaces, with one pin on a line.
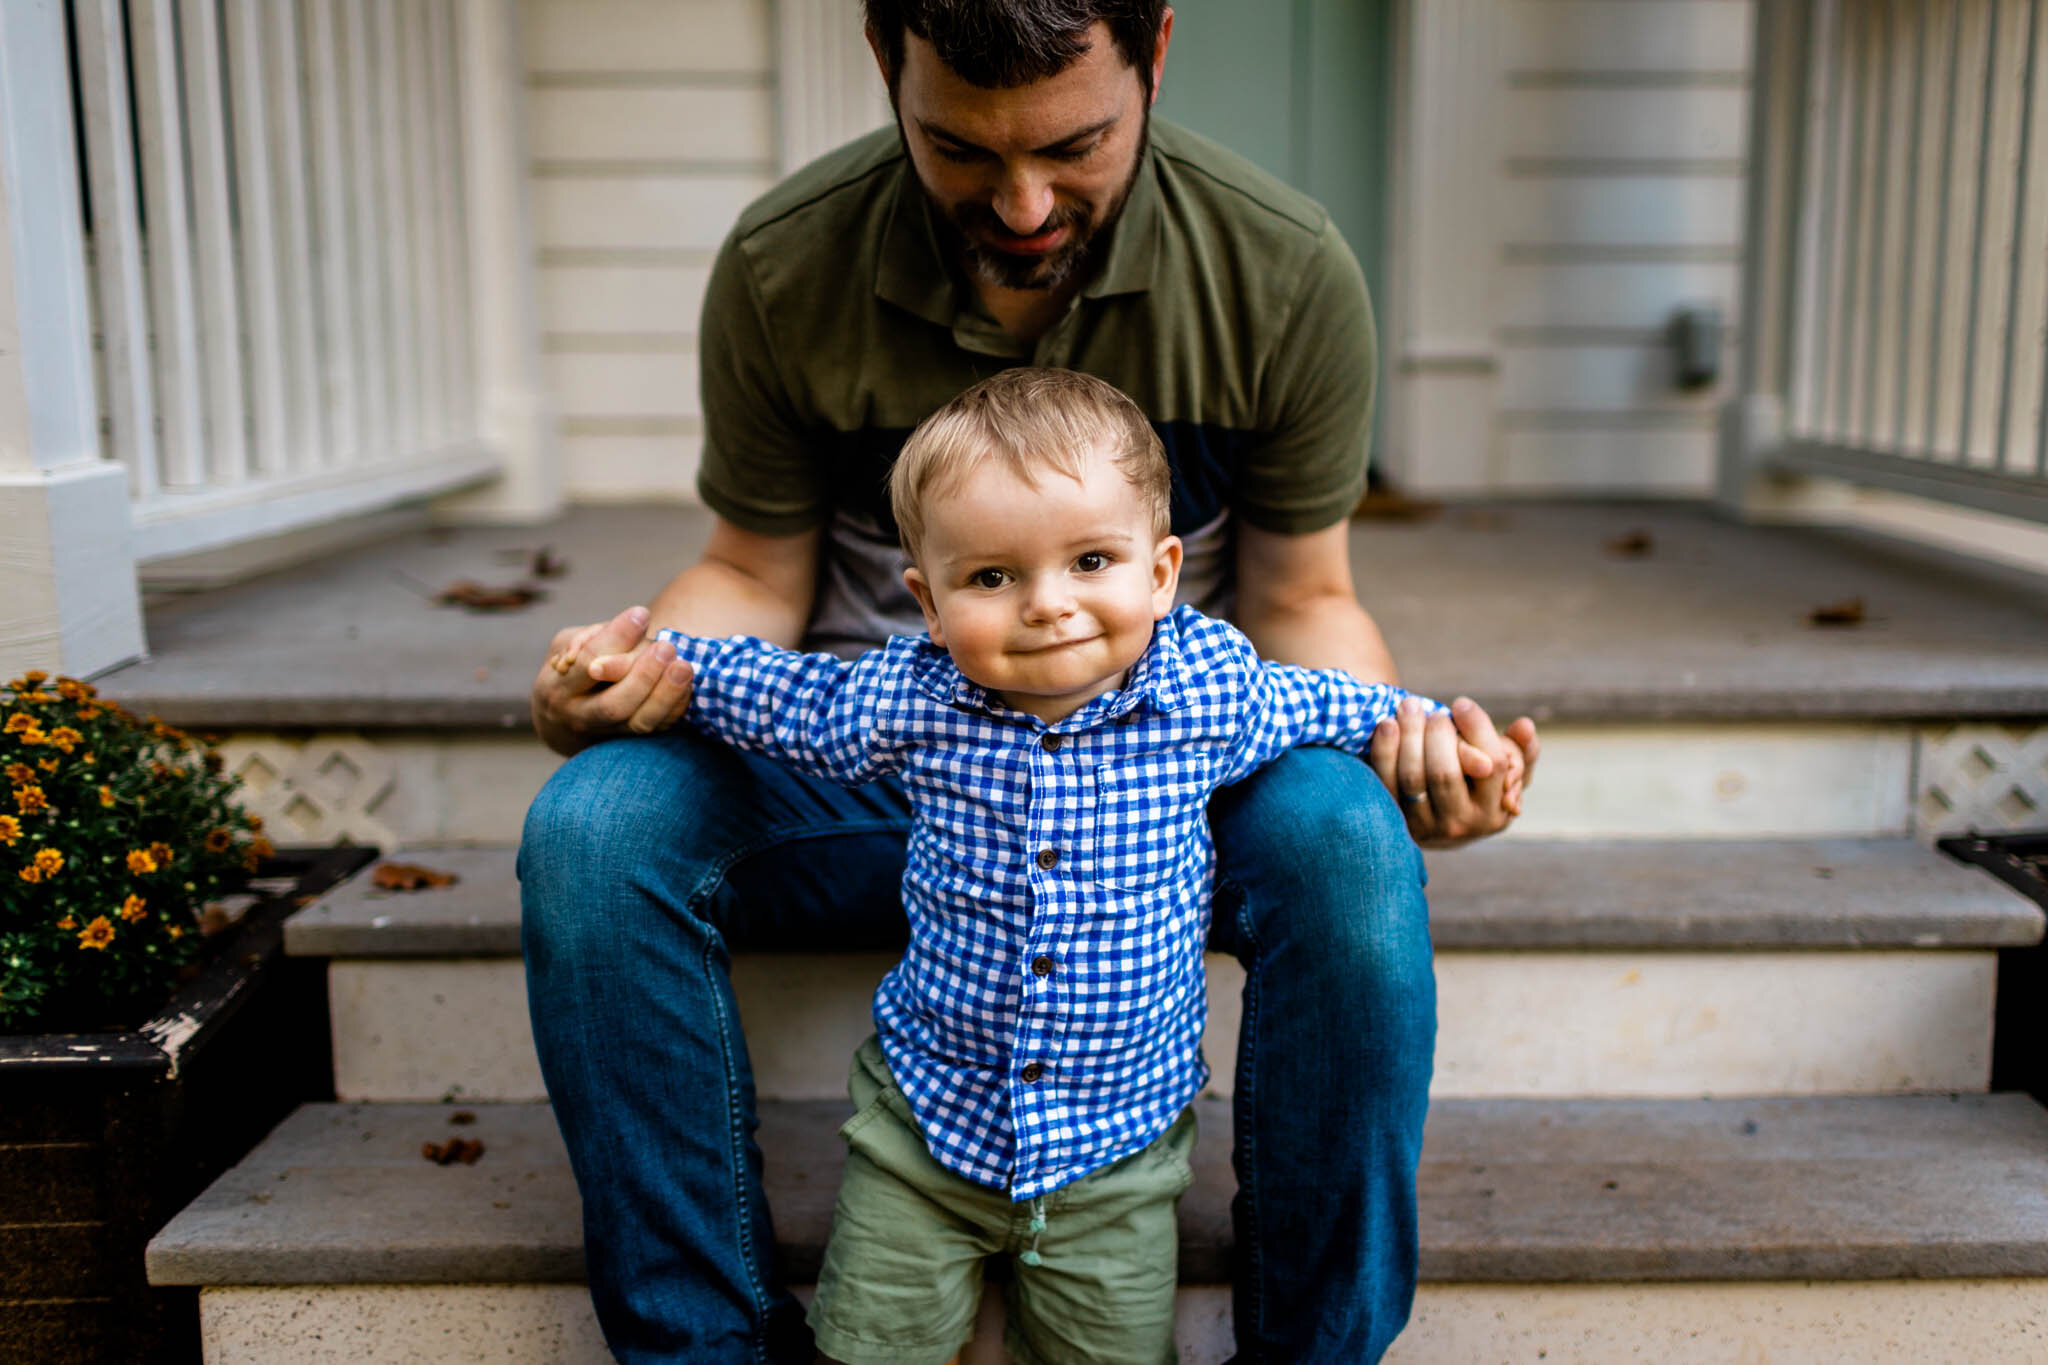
pixel 1023 201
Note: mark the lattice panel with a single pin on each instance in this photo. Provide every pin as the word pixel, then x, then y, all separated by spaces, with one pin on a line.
pixel 1986 777
pixel 316 790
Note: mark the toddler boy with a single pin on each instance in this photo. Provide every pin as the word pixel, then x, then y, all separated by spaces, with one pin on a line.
pixel 1059 734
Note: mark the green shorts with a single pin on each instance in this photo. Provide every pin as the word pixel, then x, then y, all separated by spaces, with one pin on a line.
pixel 902 1274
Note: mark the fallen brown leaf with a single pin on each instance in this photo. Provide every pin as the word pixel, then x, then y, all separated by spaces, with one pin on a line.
pixel 461 1117
pixel 214 919
pixel 476 596
pixel 464 1150
pixel 546 565
pixel 410 877
pixel 1632 545
pixel 1848 612
pixel 1486 519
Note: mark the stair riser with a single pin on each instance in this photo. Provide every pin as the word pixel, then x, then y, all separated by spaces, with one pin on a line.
pixel 1986 1322
pixel 1510 1024
pixel 1686 780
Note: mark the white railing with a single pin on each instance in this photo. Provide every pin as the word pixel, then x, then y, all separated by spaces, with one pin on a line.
pixel 1899 247
pixel 278 233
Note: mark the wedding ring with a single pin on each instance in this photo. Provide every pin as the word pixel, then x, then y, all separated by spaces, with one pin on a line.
pixel 1414 798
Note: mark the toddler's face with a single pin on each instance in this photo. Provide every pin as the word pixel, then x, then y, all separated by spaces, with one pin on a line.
pixel 1046 594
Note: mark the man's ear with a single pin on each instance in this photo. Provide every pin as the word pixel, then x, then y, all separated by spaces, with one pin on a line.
pixel 1165 575
pixel 881 58
pixel 913 579
pixel 1159 51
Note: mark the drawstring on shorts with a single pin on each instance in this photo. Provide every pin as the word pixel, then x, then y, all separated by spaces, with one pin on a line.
pixel 1030 1255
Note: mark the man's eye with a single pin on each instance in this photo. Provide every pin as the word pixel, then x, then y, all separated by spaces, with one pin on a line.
pixel 987 578
pixel 1080 153
pixel 1092 562
pixel 958 155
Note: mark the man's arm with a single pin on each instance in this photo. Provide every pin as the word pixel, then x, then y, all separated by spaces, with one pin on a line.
pixel 1296 602
pixel 610 678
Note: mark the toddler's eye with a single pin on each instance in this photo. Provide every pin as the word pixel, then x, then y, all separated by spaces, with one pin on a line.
pixel 1092 562
pixel 987 578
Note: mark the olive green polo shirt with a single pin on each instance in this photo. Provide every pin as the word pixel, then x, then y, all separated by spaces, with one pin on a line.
pixel 1226 304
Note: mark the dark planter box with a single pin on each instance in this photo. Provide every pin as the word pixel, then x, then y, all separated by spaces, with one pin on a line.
pixel 104 1136
pixel 2019 1032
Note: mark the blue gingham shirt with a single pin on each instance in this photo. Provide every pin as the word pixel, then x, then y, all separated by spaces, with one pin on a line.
pixel 1047 1017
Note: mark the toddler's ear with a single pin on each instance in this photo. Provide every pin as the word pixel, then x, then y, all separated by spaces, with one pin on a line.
pixel 1165 575
pixel 913 579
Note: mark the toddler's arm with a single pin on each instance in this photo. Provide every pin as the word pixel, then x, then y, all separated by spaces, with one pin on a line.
pixel 819 714
pixel 1287 706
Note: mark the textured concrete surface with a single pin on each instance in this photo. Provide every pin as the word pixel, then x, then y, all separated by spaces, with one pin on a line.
pixel 1587 1191
pixel 1510 1023
pixel 1986 1322
pixel 1523 893
pixel 1523 607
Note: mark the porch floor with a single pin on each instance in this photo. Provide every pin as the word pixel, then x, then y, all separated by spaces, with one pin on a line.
pixel 1529 607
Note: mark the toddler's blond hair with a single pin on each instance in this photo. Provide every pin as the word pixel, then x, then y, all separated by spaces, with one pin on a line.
pixel 1032 420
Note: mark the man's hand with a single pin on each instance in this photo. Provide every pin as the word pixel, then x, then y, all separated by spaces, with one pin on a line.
pixel 605 680
pixel 1433 767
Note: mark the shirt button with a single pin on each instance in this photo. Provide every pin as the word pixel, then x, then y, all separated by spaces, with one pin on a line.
pixel 1048 858
pixel 1032 1071
pixel 1051 742
pixel 1041 965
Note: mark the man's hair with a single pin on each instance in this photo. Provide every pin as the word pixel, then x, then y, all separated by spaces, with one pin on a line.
pixel 1001 44
pixel 1031 421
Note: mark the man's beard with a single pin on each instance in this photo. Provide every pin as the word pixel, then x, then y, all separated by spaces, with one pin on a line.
pixel 1073 259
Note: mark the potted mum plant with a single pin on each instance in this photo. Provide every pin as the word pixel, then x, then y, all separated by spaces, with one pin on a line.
pixel 149 1033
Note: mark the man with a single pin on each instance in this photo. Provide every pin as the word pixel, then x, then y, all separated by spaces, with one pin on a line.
pixel 1024 211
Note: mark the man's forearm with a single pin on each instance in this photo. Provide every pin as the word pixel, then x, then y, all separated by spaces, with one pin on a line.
pixel 716 598
pixel 1325 631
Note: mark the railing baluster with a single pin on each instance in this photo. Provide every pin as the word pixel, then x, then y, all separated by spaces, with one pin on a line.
pixel 296 261
pixel 1909 263
pixel 444 83
pixel 167 213
pixel 401 332
pixel 339 401
pixel 1856 95
pixel 213 219
pixel 2001 437
pixel 1977 234
pixel 1823 254
pixel 1871 328
pixel 374 361
pixel 425 237
pixel 1943 196
pixel 256 201
pixel 116 238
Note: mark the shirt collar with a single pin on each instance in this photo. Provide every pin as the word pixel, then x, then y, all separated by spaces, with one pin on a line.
pixel 914 274
pixel 1159 677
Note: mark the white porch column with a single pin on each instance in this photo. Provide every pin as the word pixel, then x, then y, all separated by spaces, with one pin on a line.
pixel 827 90
pixel 1440 323
pixel 515 415
pixel 67 584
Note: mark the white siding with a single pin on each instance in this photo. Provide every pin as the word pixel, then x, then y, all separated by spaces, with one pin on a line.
pixel 653 123
pixel 1623 142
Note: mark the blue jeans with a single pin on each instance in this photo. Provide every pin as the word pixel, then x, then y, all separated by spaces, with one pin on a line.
pixel 647 862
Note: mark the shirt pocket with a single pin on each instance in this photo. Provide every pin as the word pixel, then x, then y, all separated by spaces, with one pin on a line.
pixel 1148 820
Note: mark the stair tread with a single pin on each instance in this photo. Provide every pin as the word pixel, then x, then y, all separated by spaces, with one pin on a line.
pixel 1502 894
pixel 1829 1188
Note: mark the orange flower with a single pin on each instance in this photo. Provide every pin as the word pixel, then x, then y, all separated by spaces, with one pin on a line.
pixel 31 874
pixel 159 768
pixel 255 823
pixel 139 862
pixel 218 840
pixel 259 848
pixel 131 909
pixel 175 931
pixel 107 797
pixel 88 713
pixel 66 738
pixel 35 677
pixel 98 934
pixel 71 689
pixel 34 735
pixel 18 773
pixel 50 860
pixel 48 765
pixel 10 830
pixel 28 800
pixel 20 721
pixel 87 759
pixel 161 852
pixel 67 923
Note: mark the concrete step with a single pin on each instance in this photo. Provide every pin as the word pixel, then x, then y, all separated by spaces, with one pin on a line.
pixel 1629 968
pixel 1836 1229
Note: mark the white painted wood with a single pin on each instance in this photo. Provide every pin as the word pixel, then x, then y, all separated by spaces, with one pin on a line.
pixel 1607 36
pixel 1615 293
pixel 631 469
pixel 394 130
pixel 514 415
pixel 451 219
pixel 829 89
pixel 262 253
pixel 219 289
pixel 180 391
pixel 423 283
pixel 1582 462
pixel 110 162
pixel 284 78
pixel 1624 378
pixel 1624 124
pixel 624 36
pixel 338 374
pixel 641 211
pixel 68 601
pixel 370 265
pixel 1620 212
pixel 625 385
pixel 707 125
pixel 622 298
